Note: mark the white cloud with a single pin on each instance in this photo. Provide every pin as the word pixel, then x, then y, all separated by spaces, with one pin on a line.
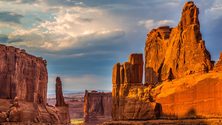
pixel 75 27
pixel 214 12
pixel 25 10
pixel 55 41
pixel 150 24
pixel 79 3
pixel 10 24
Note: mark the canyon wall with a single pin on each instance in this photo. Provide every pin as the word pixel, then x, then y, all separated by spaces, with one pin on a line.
pixel 97 107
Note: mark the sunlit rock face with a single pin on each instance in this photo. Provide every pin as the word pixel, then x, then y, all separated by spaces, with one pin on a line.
pixel 193 96
pixel 24 78
pixel 176 51
pixel 130 97
pixel 181 81
pixel 97 107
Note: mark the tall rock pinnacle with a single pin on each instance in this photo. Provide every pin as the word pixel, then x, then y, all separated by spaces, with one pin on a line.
pixel 59 94
pixel 176 51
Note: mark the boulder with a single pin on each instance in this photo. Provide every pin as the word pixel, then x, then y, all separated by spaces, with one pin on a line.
pixel 15 113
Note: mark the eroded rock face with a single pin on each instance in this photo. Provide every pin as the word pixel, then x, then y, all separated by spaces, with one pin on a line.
pixel 97 107
pixel 61 106
pixel 15 113
pixel 24 78
pixel 131 99
pixel 193 96
pixel 59 94
pixel 179 80
pixel 22 75
pixel 173 52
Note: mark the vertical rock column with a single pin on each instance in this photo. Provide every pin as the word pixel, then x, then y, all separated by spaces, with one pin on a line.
pixel 115 93
pixel 123 76
pixel 59 94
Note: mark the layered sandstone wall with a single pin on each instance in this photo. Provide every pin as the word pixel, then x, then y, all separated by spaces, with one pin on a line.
pixel 131 99
pixel 97 107
pixel 174 52
pixel 22 75
pixel 193 96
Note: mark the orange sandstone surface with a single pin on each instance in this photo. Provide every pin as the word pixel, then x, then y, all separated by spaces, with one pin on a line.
pixel 181 80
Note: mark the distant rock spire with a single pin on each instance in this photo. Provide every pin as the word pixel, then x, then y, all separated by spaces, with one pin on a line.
pixel 59 94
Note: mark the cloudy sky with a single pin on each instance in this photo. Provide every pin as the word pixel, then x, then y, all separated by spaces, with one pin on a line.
pixel 82 40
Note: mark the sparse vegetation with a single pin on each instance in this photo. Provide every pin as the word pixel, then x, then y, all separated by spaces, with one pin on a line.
pixel 76 121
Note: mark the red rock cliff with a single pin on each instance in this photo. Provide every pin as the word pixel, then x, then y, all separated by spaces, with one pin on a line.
pixel 25 78
pixel 174 52
pixel 22 75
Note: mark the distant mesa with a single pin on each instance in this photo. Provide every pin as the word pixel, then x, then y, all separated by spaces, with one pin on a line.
pixel 181 80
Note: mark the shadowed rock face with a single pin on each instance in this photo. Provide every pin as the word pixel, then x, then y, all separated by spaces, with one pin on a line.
pixel 25 77
pixel 22 75
pixel 59 94
pixel 97 107
pixel 180 49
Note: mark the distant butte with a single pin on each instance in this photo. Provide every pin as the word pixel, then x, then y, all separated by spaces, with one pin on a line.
pixel 181 80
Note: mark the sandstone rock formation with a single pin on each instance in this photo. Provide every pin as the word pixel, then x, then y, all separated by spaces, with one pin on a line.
pixel 181 81
pixel 97 107
pixel 22 75
pixel 130 97
pixel 61 106
pixel 15 113
pixel 193 96
pixel 24 78
pixel 178 49
pixel 59 95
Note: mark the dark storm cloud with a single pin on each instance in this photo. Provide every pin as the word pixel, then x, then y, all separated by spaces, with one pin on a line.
pixel 10 17
pixel 15 40
pixel 3 38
